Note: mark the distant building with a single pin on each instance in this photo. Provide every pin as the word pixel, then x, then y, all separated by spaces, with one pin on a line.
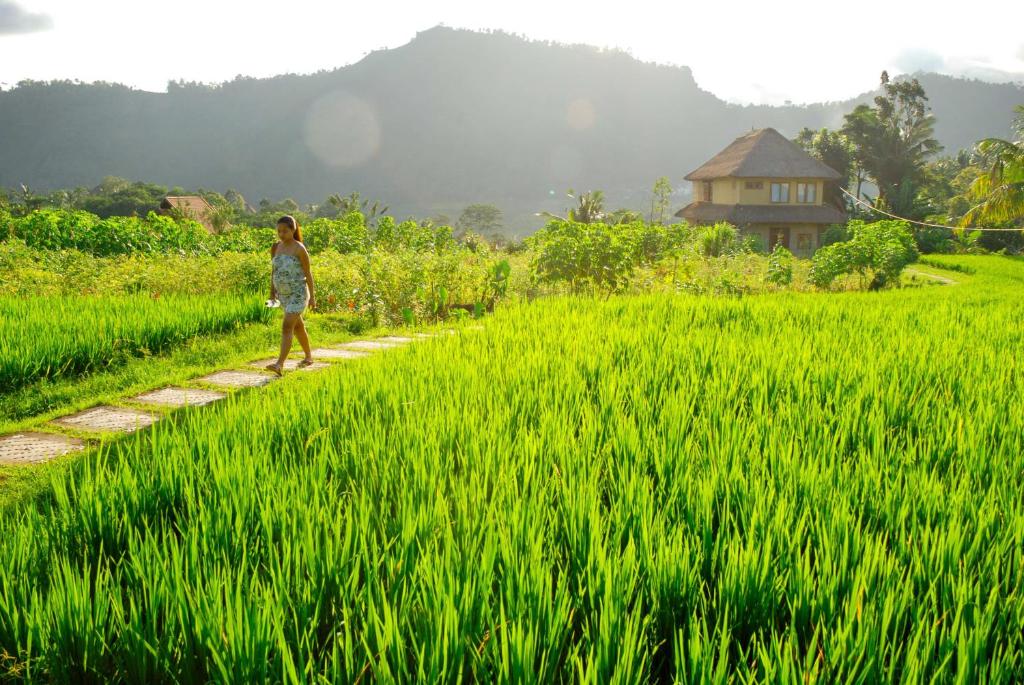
pixel 192 206
pixel 765 184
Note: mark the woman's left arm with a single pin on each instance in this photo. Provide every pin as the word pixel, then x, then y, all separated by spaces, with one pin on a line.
pixel 304 260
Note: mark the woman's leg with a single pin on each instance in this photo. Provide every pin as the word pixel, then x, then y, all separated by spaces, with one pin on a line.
pixel 300 333
pixel 287 330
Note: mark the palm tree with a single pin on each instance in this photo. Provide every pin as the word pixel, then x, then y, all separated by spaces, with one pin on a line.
pixel 589 208
pixel 999 192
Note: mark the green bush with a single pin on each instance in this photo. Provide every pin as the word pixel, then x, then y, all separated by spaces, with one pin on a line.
pixel 717 240
pixel 345 235
pixel 244 239
pixel 58 229
pixel 836 233
pixel 780 266
pixel 583 255
pixel 877 252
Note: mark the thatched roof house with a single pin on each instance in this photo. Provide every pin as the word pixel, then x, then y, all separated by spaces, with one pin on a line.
pixel 765 184
pixel 192 206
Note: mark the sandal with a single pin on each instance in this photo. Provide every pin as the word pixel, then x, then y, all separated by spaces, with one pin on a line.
pixel 304 363
pixel 273 367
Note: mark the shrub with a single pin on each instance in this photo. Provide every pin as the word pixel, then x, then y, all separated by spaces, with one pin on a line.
pixel 583 255
pixel 58 229
pixel 717 240
pixel 345 235
pixel 780 266
pixel 836 233
pixel 244 239
pixel 878 250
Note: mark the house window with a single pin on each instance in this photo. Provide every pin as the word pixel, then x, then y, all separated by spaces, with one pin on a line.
pixel 754 185
pixel 780 192
pixel 706 191
pixel 806 192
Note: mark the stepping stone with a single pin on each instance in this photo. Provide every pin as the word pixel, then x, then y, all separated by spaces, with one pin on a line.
pixel 369 345
pixel 180 397
pixel 35 448
pixel 398 339
pixel 291 365
pixel 329 353
pixel 237 379
pixel 117 419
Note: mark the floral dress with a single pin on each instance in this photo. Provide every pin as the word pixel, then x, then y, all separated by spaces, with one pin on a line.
pixel 290 283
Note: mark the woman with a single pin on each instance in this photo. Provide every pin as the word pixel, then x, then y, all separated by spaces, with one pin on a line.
pixel 292 283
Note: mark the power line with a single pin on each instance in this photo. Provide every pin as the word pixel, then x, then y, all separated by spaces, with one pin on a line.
pixel 922 223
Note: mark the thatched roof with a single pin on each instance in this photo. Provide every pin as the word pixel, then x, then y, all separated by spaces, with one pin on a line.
pixel 741 215
pixel 192 206
pixel 764 153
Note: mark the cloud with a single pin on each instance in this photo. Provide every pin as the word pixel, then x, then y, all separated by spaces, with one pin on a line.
pixel 981 67
pixel 910 61
pixel 15 19
pixel 1020 52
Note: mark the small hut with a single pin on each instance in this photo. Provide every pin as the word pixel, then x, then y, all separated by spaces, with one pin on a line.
pixel 191 206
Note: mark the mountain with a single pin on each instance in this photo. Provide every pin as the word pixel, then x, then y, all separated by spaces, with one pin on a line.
pixel 452 118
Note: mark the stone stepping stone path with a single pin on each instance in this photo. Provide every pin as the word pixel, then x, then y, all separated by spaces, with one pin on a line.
pixel 110 419
pixel 237 379
pixel 290 365
pixel 35 448
pixel 369 345
pixel 335 353
pixel 29 447
pixel 180 397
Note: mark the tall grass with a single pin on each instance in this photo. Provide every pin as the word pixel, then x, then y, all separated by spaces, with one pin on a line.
pixel 47 337
pixel 796 488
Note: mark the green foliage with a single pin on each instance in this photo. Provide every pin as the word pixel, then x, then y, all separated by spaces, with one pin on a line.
pixel 244 239
pixel 661 195
pixel 717 239
pixel 780 266
pixel 58 229
pixel 50 337
pixel 480 218
pixel 802 489
pixel 999 191
pixel 583 255
pixel 346 235
pixel 835 233
pixel 892 141
pixel 877 252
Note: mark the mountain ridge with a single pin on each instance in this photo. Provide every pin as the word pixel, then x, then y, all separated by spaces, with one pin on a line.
pixel 451 118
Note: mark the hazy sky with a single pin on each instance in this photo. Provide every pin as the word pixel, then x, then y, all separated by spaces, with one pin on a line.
pixel 765 51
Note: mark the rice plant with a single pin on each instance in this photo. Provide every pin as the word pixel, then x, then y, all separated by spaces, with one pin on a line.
pixel 47 337
pixel 793 488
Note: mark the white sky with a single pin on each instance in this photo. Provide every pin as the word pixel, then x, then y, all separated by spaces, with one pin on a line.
pixel 764 52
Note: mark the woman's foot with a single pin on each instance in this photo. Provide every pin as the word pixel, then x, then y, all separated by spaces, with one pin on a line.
pixel 276 368
pixel 308 361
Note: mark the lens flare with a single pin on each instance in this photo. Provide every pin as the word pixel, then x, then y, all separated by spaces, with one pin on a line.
pixel 343 130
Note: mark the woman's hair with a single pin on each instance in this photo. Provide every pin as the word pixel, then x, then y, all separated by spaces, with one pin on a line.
pixel 290 221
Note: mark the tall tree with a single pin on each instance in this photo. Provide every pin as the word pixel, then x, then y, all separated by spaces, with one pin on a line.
pixel 660 199
pixel 999 191
pixel 481 218
pixel 893 140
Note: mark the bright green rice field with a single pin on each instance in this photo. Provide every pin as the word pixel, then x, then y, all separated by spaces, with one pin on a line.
pixel 793 488
pixel 52 337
